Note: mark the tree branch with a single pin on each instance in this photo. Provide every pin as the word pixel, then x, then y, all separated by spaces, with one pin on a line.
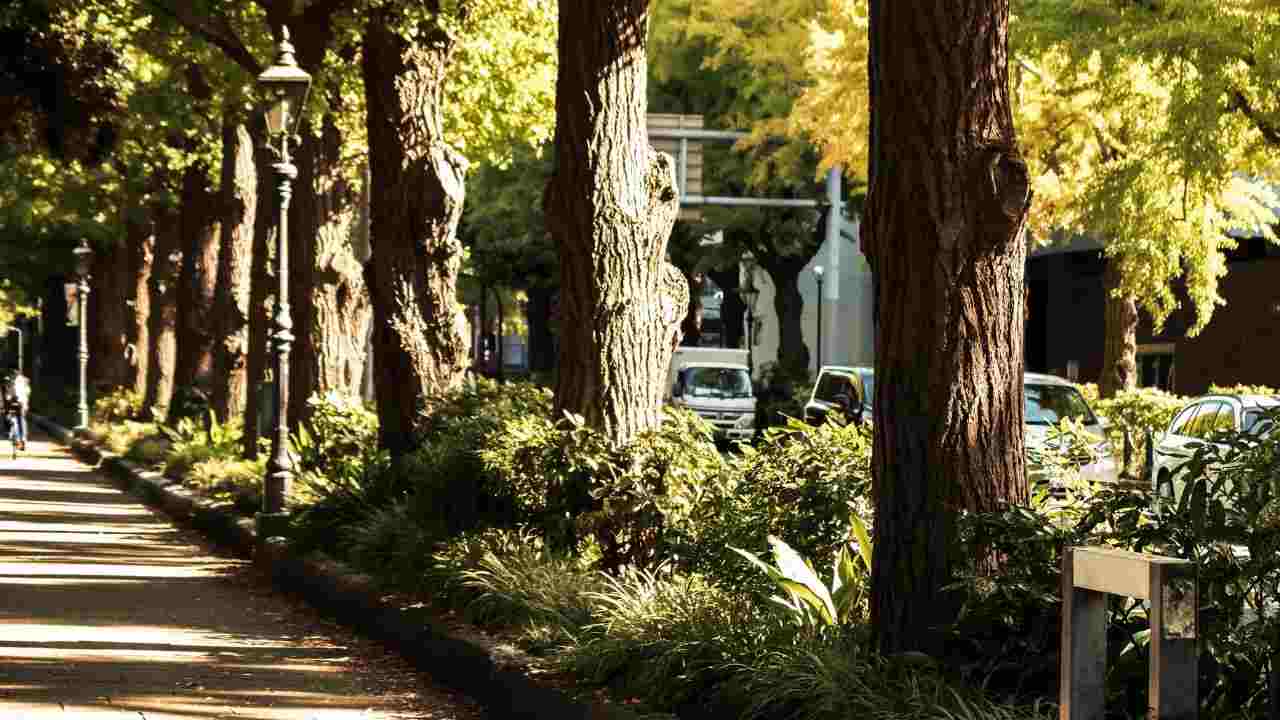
pixel 229 44
pixel 1240 103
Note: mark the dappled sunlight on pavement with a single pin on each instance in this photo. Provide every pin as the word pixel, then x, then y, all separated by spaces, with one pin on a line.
pixel 106 611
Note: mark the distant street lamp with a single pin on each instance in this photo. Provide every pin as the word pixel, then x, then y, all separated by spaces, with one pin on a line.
pixel 817 273
pixel 16 329
pixel 749 293
pixel 284 87
pixel 84 258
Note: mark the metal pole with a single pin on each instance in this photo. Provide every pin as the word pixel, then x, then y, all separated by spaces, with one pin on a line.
pixel 82 301
pixel 273 521
pixel 751 365
pixel 18 330
pixel 818 364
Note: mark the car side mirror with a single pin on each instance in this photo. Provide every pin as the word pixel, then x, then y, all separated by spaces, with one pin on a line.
pixel 675 390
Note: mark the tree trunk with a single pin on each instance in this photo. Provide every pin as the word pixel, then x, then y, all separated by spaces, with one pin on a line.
pixel 1120 352
pixel 341 311
pixel 239 191
pixel 788 308
pixel 946 206
pixel 499 351
pixel 420 332
pixel 197 282
pixel 261 284
pixel 141 239
pixel 691 325
pixel 542 357
pixel 733 310
pixel 108 318
pixel 162 351
pixel 611 204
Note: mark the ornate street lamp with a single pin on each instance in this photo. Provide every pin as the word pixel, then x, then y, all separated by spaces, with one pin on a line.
pixel 817 273
pixel 84 258
pixel 749 292
pixel 284 89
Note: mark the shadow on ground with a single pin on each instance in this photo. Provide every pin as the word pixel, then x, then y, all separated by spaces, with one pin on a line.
pixel 107 610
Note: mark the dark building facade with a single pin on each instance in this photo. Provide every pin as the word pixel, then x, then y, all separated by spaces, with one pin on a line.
pixel 1241 343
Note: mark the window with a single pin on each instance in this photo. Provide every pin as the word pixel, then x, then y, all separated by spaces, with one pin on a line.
pixel 1155 365
pixel 1205 420
pixel 1179 424
pixel 868 387
pixel 1048 404
pixel 715 382
pixel 832 384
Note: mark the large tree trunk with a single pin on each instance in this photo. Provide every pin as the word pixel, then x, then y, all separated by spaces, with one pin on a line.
pixel 788 307
pixel 948 198
pixel 340 313
pixel 1120 350
pixel 732 308
pixel 611 204
pixel 239 190
pixel 141 240
pixel 108 318
pixel 691 325
pixel 163 346
pixel 542 343
pixel 198 281
pixel 420 332
pixel 261 284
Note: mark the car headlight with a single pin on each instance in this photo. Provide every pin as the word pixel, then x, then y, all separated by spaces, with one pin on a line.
pixel 744 421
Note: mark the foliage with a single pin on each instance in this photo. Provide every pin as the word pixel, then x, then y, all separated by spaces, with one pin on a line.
pixel 1134 415
pixel 782 393
pixel 117 406
pixel 191 443
pixel 338 426
pixel 577 484
pixel 808 600
pixel 1243 390
pixel 798 485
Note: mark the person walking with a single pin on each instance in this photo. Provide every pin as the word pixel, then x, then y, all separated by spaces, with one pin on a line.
pixel 19 395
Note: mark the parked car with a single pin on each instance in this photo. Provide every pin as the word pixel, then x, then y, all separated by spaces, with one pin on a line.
pixel 1196 424
pixel 1049 399
pixel 850 388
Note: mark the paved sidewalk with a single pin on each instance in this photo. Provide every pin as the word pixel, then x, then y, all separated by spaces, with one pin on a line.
pixel 107 611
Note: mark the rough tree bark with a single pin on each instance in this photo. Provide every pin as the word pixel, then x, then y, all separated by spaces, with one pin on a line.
pixel 420 332
pixel 1120 349
pixel 163 322
pixel 109 318
pixel 948 198
pixel 197 279
pixel 141 240
pixel 239 193
pixel 542 342
pixel 610 205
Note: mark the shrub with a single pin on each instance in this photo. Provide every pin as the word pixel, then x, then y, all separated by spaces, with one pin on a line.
pixel 1243 390
pixel 149 450
pixel 339 426
pixel 1134 414
pixel 192 442
pixel 119 405
pixel 799 485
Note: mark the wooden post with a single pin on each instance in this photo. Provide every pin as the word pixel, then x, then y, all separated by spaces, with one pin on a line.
pixel 1089 574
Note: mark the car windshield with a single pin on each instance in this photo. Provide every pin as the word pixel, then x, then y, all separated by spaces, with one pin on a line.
pixel 1049 404
pixel 716 382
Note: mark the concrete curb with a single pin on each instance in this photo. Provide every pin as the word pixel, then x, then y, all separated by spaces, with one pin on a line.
pixel 352 598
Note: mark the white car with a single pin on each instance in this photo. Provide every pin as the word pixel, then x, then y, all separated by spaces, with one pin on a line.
pixel 1051 399
pixel 1196 424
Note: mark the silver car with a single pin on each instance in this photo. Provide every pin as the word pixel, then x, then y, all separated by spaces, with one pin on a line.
pixel 1196 424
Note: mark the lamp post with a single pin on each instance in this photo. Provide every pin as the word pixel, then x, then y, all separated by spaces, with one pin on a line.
pixel 16 329
pixel 749 293
pixel 284 88
pixel 817 273
pixel 84 256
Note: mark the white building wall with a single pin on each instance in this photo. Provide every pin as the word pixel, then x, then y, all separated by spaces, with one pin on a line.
pixel 847 326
